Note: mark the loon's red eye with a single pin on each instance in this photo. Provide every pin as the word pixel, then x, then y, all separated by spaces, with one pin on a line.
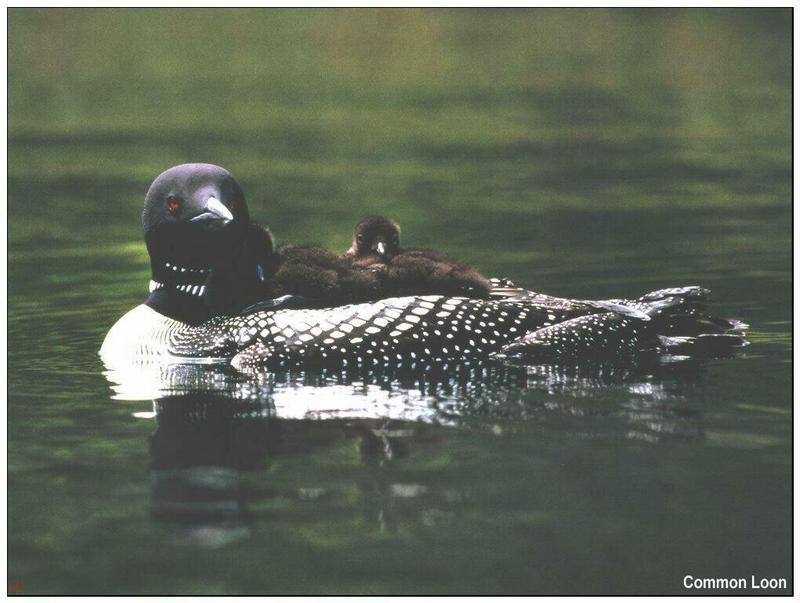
pixel 173 203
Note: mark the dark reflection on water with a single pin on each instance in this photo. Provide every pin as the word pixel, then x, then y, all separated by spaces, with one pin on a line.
pixel 211 452
pixel 206 449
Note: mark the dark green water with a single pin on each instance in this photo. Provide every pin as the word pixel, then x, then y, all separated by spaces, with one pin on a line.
pixel 581 153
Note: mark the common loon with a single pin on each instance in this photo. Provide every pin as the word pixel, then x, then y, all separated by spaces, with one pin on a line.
pixel 197 230
pixel 376 243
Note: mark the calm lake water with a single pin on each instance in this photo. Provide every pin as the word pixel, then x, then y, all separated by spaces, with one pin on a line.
pixel 581 153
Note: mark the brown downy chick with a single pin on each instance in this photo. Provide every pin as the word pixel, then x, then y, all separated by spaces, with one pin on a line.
pixel 376 246
pixel 310 272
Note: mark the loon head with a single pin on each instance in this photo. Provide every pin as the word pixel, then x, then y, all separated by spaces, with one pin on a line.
pixel 194 216
pixel 198 233
pixel 375 237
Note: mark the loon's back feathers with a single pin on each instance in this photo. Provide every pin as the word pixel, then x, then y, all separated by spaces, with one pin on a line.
pixel 679 312
pixel 433 329
pixel 397 331
pixel 608 335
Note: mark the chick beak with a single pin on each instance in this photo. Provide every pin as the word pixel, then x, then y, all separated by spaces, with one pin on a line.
pixel 215 210
pixel 380 248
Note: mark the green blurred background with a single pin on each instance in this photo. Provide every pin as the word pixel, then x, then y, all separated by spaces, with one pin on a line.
pixel 591 153
pixel 325 115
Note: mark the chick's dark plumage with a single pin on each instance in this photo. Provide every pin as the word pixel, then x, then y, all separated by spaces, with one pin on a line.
pixel 376 247
pixel 375 267
pixel 314 273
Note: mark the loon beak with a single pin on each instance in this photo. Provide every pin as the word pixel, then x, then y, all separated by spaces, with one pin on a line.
pixel 381 248
pixel 215 210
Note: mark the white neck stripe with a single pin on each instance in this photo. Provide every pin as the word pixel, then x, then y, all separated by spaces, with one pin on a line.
pixel 196 290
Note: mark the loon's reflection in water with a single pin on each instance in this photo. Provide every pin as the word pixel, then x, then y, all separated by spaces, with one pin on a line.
pixel 441 393
pixel 208 451
pixel 198 454
pixel 219 431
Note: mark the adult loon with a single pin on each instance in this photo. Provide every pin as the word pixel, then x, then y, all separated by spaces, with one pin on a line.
pixel 376 244
pixel 205 270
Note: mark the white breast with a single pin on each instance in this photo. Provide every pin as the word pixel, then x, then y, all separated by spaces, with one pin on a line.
pixel 139 334
pixel 143 335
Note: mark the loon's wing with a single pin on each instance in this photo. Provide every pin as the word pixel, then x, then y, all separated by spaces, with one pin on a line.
pixel 432 329
pixel 401 331
pixel 607 335
pixel 671 320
